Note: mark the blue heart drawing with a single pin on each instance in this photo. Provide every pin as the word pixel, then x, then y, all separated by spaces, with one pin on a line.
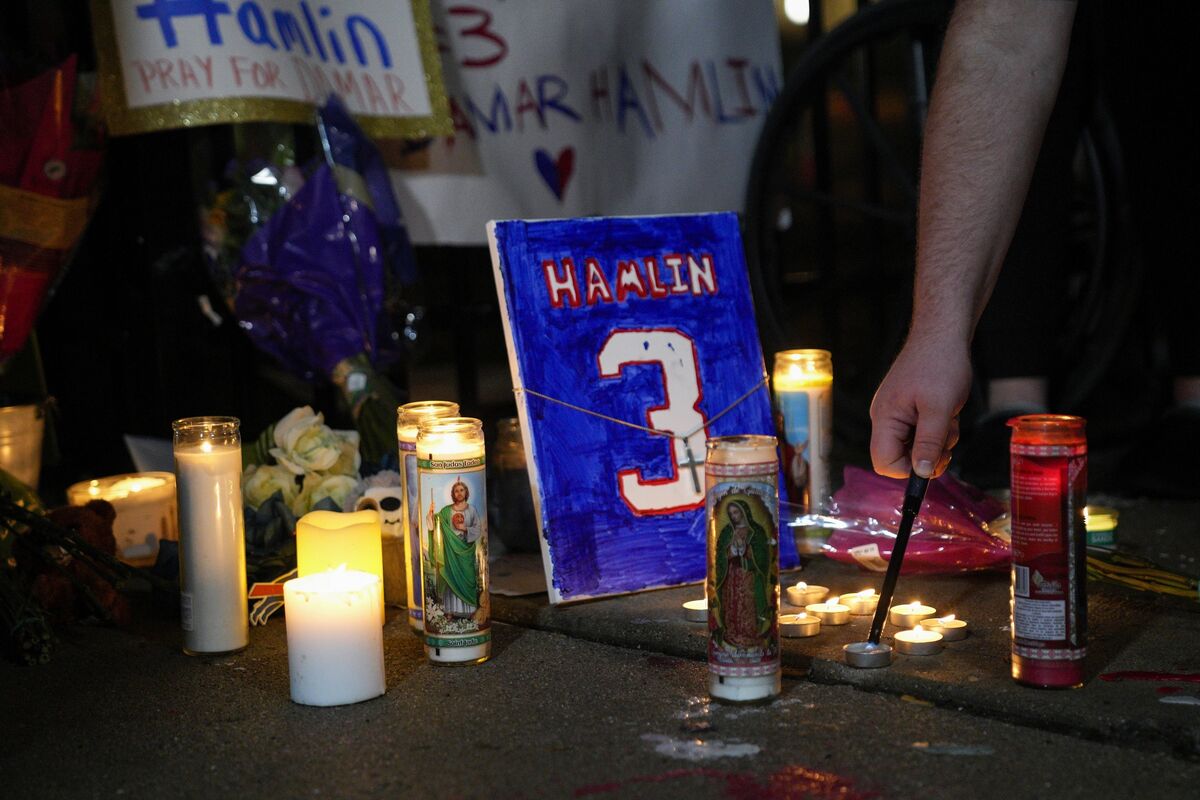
pixel 556 172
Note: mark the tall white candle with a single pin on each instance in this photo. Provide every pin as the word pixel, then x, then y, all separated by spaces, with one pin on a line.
pixel 335 643
pixel 212 547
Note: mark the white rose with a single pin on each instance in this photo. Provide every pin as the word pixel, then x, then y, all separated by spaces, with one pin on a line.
pixel 304 443
pixel 261 481
pixel 348 460
pixel 318 487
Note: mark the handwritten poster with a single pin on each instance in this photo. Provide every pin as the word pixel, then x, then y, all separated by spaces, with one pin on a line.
pixel 177 63
pixel 565 108
pixel 631 341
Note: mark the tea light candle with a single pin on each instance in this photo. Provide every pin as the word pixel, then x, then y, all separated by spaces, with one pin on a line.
pixel 334 640
pixel 212 538
pixel 831 612
pixel 802 594
pixel 910 614
pixel 328 540
pixel 145 506
pixel 951 629
pixel 696 610
pixel 862 603
pixel 797 626
pixel 918 642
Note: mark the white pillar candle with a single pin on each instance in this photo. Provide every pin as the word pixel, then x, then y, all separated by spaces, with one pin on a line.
pixel 453 483
pixel 334 641
pixel 408 419
pixel 145 506
pixel 212 546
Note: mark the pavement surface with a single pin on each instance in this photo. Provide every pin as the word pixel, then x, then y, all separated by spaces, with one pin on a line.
pixel 606 699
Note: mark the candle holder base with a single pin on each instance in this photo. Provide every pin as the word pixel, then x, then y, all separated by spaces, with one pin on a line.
pixel 458 656
pixel 745 690
pixel 865 655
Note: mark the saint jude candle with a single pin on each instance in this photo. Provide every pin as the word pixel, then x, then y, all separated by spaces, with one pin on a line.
pixel 451 488
pixel 408 420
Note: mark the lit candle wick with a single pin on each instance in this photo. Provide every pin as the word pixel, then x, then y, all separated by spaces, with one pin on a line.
pixel 947 618
pixel 866 593
pixel 801 586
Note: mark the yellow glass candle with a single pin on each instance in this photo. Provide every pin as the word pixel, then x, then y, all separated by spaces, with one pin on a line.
pixel 408 420
pixel 327 540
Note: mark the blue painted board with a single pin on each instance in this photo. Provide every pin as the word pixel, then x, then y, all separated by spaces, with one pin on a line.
pixel 643 320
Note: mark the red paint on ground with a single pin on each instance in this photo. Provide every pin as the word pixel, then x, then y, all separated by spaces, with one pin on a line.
pixel 1168 689
pixel 1133 675
pixel 790 783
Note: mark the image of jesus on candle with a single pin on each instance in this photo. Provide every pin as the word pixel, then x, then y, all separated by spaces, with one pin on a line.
pixel 454 536
pixel 743 613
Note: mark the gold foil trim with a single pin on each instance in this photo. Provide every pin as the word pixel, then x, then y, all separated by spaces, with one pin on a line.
pixel 125 121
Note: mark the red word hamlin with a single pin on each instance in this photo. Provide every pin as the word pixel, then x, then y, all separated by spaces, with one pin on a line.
pixel 644 278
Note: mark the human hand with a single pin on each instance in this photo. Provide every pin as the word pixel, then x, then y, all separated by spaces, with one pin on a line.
pixel 914 415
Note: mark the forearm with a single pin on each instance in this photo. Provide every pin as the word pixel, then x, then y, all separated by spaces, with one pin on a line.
pixel 997 81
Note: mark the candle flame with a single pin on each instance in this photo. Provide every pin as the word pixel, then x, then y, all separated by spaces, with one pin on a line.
pixel 206 447
pixel 801 586
pixel 802 615
pixel 867 593
pixel 947 618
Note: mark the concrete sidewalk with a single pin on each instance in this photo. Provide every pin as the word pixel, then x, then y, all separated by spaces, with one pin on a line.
pixel 606 699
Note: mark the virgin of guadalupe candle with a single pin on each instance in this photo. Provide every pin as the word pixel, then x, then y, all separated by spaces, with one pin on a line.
pixel 212 541
pixel 408 418
pixel 803 382
pixel 742 512
pixel 451 480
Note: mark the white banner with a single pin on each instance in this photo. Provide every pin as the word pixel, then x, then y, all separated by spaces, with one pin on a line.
pixel 567 108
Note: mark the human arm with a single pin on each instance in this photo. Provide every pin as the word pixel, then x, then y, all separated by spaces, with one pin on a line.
pixel 997 81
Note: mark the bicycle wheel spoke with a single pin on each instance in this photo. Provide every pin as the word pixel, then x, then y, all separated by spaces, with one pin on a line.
pixel 866 209
pixel 878 139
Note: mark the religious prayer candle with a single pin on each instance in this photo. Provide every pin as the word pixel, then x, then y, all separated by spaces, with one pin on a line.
pixel 742 512
pixel 328 540
pixel 803 382
pixel 145 506
pixel 451 481
pixel 212 542
pixel 408 419
pixel 334 640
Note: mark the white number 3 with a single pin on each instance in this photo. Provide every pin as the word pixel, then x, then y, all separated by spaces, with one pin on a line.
pixel 675 354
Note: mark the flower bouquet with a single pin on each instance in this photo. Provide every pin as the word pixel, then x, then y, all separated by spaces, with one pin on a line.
pixel 312 268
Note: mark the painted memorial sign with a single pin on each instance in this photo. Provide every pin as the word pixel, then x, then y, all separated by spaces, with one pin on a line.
pixel 569 108
pixel 631 340
pixel 179 63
